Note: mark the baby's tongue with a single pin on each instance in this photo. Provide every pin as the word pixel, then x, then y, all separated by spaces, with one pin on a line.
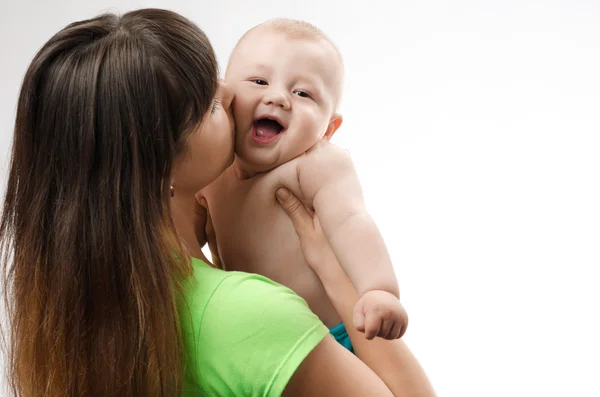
pixel 266 128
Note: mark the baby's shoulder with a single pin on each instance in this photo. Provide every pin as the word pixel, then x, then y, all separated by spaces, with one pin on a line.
pixel 327 150
pixel 325 158
pixel 216 188
pixel 323 165
pixel 284 175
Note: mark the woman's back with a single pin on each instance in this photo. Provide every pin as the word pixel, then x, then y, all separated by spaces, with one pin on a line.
pixel 244 334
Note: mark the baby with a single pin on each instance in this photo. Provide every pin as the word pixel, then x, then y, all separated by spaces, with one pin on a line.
pixel 287 78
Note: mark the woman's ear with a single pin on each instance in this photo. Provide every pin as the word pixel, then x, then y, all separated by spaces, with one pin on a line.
pixel 334 124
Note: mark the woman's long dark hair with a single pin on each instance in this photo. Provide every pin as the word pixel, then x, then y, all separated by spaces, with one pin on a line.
pixel 90 260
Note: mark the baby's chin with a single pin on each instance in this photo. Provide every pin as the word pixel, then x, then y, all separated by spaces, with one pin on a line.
pixel 256 161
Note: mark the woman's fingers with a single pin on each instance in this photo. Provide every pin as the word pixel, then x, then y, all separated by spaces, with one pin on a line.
pixel 294 208
pixel 314 245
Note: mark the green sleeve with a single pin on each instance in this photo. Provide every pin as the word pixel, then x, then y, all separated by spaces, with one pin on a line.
pixel 253 336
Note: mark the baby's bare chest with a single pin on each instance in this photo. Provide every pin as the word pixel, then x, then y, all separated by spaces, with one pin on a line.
pixel 253 232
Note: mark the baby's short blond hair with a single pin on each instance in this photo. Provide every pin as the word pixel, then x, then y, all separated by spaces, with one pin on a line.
pixel 295 29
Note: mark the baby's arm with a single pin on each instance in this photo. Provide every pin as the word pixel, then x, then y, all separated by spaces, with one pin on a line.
pixel 392 361
pixel 327 178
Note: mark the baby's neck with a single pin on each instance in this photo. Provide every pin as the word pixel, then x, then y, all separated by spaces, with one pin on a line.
pixel 244 171
pixel 241 172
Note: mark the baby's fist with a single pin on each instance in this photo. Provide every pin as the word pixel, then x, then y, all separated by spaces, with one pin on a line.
pixel 380 313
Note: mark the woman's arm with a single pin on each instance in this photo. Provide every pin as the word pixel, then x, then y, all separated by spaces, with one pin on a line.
pixel 331 370
pixel 392 361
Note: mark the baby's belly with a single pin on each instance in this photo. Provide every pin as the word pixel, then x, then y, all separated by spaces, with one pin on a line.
pixel 272 249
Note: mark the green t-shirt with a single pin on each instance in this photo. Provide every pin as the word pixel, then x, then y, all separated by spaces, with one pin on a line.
pixel 243 334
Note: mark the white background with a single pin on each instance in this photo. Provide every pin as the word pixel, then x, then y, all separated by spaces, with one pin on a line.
pixel 475 127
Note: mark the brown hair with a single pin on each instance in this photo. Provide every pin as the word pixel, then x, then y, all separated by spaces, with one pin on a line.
pixel 90 261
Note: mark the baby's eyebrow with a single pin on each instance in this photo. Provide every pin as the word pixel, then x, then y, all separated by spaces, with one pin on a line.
pixel 262 66
pixel 316 82
pixel 309 79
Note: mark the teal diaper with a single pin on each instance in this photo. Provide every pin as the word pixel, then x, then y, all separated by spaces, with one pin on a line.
pixel 341 335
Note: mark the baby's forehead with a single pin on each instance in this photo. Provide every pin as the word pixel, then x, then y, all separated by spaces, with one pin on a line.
pixel 264 45
pixel 262 36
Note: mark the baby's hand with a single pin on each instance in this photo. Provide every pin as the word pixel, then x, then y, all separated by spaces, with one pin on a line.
pixel 380 313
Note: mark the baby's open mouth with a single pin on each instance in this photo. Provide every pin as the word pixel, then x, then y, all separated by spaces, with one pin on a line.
pixel 267 128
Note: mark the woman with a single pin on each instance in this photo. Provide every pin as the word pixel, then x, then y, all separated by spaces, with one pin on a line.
pixel 119 122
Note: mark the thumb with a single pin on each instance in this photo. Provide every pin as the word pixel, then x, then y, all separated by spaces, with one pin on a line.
pixel 294 209
pixel 359 317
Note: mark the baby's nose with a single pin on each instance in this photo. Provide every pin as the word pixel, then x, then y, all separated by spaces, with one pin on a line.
pixel 277 98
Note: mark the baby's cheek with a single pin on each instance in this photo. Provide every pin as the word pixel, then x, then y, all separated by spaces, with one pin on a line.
pixel 318 119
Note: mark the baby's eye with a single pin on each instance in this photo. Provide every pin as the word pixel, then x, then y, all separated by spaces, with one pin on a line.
pixel 260 81
pixel 302 94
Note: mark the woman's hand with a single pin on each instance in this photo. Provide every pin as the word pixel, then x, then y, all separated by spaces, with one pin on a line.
pixel 315 247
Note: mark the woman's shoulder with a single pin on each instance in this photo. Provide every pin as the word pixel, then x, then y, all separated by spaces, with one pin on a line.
pixel 216 298
pixel 210 286
pixel 242 330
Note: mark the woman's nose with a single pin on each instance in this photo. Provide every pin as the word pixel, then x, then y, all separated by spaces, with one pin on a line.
pixel 227 96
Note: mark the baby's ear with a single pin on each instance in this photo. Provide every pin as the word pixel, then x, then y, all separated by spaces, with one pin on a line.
pixel 334 124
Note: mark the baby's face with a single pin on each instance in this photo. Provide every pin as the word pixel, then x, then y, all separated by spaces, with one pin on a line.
pixel 285 93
